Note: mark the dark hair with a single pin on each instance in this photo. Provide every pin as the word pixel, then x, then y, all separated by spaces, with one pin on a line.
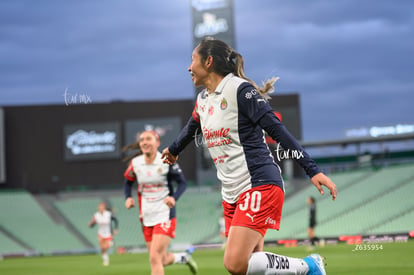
pixel 226 60
pixel 131 147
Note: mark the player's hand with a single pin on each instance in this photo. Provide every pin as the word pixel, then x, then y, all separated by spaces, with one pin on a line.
pixel 167 157
pixel 321 179
pixel 129 203
pixel 169 201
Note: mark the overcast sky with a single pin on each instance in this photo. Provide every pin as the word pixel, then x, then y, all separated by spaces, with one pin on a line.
pixel 351 61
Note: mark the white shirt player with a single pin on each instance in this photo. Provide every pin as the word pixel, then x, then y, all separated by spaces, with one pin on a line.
pixel 152 180
pixel 103 220
pixel 220 121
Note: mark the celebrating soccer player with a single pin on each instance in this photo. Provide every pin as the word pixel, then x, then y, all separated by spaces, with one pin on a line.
pixel 157 200
pixel 232 113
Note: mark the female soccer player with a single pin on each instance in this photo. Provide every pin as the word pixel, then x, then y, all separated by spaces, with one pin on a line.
pixel 104 219
pixel 231 113
pixel 312 221
pixel 157 205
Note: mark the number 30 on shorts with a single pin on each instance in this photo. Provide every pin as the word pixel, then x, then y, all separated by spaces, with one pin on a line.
pixel 253 201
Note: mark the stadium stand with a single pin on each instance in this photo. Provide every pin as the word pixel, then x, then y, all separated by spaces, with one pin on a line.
pixel 9 246
pixel 370 201
pixel 198 214
pixel 401 223
pixel 366 199
pixel 78 211
pixel 295 210
pixel 28 223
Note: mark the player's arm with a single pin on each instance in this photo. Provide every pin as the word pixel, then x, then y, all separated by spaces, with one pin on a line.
pixel 129 200
pixel 271 124
pixel 258 110
pixel 115 223
pixel 175 174
pixel 253 106
pixel 187 134
pixel 130 178
pixel 92 222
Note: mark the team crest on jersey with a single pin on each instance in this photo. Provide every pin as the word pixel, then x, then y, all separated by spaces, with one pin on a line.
pixel 223 104
pixel 159 171
pixel 211 111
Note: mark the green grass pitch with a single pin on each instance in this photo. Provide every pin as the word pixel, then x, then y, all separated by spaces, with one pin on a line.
pixel 393 258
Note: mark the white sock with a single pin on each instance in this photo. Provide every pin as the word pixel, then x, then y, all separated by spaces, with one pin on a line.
pixel 266 263
pixel 105 257
pixel 180 258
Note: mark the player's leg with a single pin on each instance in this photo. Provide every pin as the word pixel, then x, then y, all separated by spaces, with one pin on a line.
pixel 104 245
pixel 168 229
pixel 158 253
pixel 241 242
pixel 264 263
pixel 257 210
pixel 148 231
pixel 153 249
pixel 311 232
pixel 243 255
pixel 311 235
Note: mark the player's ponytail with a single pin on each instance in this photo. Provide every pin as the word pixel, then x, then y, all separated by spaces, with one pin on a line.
pixel 226 60
pixel 135 148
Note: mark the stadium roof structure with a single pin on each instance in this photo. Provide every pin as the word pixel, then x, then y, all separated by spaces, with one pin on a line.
pixel 349 141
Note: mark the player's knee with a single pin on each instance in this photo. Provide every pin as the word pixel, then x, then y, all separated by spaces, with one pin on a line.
pixel 235 266
pixel 155 257
pixel 234 269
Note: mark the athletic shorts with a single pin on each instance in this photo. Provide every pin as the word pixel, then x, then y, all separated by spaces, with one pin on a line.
pixel 312 223
pixel 165 228
pixel 259 208
pixel 106 238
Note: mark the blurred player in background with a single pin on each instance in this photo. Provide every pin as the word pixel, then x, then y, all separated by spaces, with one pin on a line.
pixel 104 219
pixel 312 222
pixel 231 113
pixel 158 198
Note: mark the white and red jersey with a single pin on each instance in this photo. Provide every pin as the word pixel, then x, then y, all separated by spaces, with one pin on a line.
pixel 103 220
pixel 221 122
pixel 154 186
pixel 232 120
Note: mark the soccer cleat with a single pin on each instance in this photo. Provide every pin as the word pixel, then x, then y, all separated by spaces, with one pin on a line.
pixel 190 261
pixel 316 264
pixel 105 263
pixel 192 264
